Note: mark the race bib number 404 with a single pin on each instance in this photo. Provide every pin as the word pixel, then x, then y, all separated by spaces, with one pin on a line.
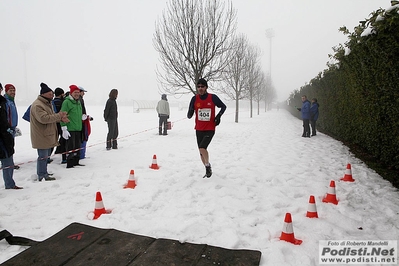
pixel 204 114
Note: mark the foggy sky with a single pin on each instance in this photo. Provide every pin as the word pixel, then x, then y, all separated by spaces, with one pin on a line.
pixel 101 45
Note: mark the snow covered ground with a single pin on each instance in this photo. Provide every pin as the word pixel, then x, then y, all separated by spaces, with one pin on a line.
pixel 262 167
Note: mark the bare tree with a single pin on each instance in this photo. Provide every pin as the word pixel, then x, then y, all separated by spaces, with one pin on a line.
pixel 193 38
pixel 235 76
pixel 259 88
pixel 269 93
pixel 254 70
pixel 242 72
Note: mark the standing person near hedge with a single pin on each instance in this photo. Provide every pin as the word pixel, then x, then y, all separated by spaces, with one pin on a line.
pixel 163 114
pixel 203 105
pixel 72 130
pixel 111 117
pixel 43 129
pixel 6 146
pixel 314 115
pixel 57 103
pixel 305 110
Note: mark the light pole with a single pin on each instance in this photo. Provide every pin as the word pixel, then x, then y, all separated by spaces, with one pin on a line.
pixel 269 35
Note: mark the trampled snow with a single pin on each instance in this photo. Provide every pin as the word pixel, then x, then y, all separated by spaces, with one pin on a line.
pixel 262 169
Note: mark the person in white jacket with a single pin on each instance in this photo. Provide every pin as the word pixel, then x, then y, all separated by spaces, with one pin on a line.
pixel 163 114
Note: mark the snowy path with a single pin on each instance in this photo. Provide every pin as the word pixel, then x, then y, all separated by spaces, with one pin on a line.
pixel 262 168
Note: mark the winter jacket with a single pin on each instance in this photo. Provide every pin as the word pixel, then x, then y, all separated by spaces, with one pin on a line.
pixel 74 111
pixel 314 111
pixel 12 114
pixel 6 138
pixel 82 103
pixel 57 104
pixel 305 109
pixel 163 108
pixel 43 127
pixel 111 110
pixel 26 115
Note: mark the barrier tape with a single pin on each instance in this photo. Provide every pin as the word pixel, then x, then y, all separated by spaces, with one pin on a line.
pixel 89 146
pixel 92 145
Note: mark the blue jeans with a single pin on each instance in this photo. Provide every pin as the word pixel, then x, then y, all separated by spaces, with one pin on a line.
pixel 42 163
pixel 8 171
pixel 83 150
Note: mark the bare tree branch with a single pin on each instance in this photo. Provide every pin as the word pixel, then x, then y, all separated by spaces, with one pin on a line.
pixel 192 39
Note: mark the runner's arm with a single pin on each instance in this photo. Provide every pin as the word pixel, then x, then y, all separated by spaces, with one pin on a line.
pixel 190 111
pixel 216 100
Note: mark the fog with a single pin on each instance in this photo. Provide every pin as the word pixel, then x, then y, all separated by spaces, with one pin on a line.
pixel 101 45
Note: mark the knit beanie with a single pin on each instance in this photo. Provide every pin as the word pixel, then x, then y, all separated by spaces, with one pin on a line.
pixel 73 88
pixel 58 92
pixel 44 88
pixel 8 87
pixel 202 81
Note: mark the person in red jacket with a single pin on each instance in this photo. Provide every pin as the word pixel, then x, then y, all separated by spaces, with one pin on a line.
pixel 203 105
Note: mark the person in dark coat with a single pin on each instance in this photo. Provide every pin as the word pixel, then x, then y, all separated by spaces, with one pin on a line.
pixel 314 115
pixel 57 103
pixel 111 117
pixel 12 111
pixel 305 110
pixel 6 146
pixel 86 128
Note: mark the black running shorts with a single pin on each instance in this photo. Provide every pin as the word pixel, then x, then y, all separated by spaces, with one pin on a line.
pixel 204 138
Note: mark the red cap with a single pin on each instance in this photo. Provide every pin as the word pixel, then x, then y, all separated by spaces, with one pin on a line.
pixel 8 87
pixel 73 88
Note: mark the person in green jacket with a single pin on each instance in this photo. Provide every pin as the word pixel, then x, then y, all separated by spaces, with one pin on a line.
pixel 72 131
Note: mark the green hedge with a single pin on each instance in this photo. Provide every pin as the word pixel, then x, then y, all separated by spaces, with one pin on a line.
pixel 359 93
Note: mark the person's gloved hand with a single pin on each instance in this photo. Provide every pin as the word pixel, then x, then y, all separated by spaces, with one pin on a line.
pixel 168 117
pixel 91 118
pixel 217 119
pixel 18 132
pixel 84 117
pixel 65 133
pixel 11 131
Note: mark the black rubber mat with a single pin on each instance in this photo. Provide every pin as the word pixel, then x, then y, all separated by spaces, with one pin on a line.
pixel 79 244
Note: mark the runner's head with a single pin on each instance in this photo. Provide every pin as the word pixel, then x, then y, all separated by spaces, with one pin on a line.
pixel 202 86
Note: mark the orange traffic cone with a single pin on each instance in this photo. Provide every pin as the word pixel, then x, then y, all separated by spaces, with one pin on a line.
pixel 131 183
pixel 99 206
pixel 312 211
pixel 348 174
pixel 154 164
pixel 331 197
pixel 288 232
